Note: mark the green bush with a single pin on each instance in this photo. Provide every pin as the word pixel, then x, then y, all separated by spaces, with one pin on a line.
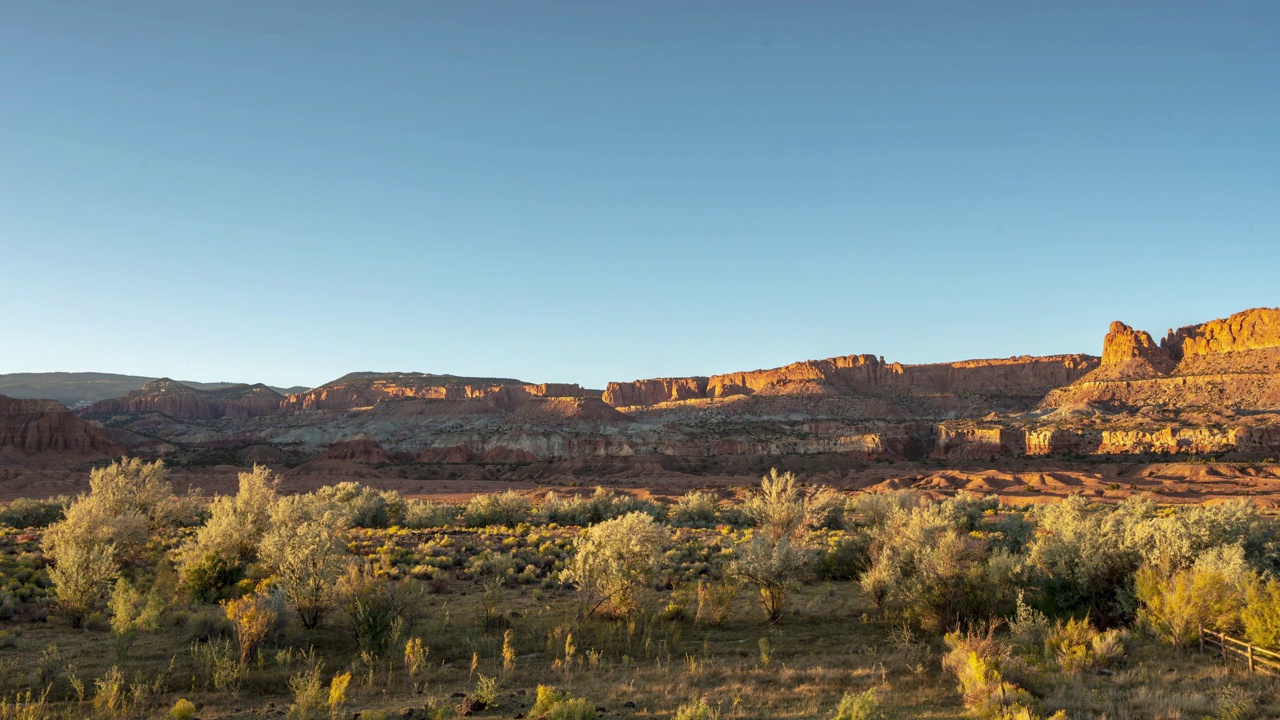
pixel 937 573
pixel 553 705
pixel 1210 594
pixel 697 709
pixel 509 508
pixel 1261 614
pixel 863 706
pixel 614 559
pixel 211 577
pixel 696 509
pixel 602 505
pixel 25 513
pixel 364 507
pixel 183 709
pixel 420 514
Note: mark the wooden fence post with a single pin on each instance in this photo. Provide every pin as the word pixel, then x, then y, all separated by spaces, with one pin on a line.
pixel 1201 638
pixel 1250 657
pixel 1222 641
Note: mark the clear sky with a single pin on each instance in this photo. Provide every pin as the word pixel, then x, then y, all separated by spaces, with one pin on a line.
pixel 288 191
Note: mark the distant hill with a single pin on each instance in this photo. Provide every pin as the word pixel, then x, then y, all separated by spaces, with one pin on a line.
pixel 77 390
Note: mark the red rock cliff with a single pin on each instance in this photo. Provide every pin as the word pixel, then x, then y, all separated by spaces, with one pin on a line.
pixel 365 390
pixel 46 426
pixel 654 391
pixel 180 401
pixel 866 374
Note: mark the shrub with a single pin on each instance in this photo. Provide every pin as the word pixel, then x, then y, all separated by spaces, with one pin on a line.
pixel 310 698
pixel 602 505
pixel 572 709
pixel 696 509
pixel 863 706
pixel 210 576
pixel 127 503
pixel 925 562
pixel 874 509
pixel 217 665
pixel 25 513
pixel 183 709
pixel 1210 594
pixel 306 549
pixel 978 661
pixel 509 508
pixel 338 692
pixel 486 692
pixel 132 612
pixel 415 656
pixel 774 567
pixel 362 506
pixel 1076 646
pixel 215 557
pixel 377 610
pixel 420 514
pixel 552 705
pixel 846 557
pixel 1261 614
pixel 697 709
pixel 825 510
pixel 81 576
pixel 1085 557
pixel 715 601
pixel 253 617
pixel 778 509
pixel 546 698
pixel 613 559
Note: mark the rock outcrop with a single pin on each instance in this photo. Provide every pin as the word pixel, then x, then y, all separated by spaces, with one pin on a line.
pixel 364 450
pixel 1232 363
pixel 978 442
pixel 854 375
pixel 1255 329
pixel 1129 354
pixel 182 401
pixel 654 391
pixel 360 390
pixel 36 427
pixel 1209 389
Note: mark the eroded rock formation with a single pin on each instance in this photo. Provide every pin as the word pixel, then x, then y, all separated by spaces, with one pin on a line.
pixel 865 375
pixel 366 389
pixel 181 401
pixel 1209 389
pixel 34 427
pixel 1255 329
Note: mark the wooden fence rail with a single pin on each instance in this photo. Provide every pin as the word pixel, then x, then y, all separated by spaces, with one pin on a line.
pixel 1229 648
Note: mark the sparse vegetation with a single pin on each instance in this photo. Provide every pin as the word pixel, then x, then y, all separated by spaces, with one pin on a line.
pixel 324 603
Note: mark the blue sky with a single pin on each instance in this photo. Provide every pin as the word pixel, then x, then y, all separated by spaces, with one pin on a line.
pixel 288 191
